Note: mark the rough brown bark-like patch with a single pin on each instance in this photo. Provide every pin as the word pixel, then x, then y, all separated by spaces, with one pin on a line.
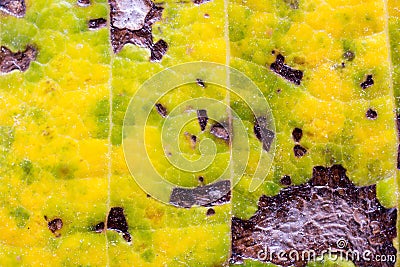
pixel 15 8
pixel 95 24
pixel 131 23
pixel 20 60
pixel 316 216
pixel 283 70
pixel 369 81
pixel 202 118
pixel 262 132
pixel 202 195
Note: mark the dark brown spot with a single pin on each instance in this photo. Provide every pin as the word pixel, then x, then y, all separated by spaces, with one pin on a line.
pixel 99 228
pixel 369 81
pixel 293 4
pixel 202 118
pixel 200 2
pixel 398 138
pixel 201 179
pixel 95 24
pixel 219 130
pixel 200 83
pixel 161 110
pixel 286 180
pixel 158 50
pixel 83 3
pixel 206 15
pixel 55 225
pixel 313 217
pixel 10 61
pixel 283 70
pixel 349 55
pixel 299 151
pixel 116 221
pixel 192 139
pixel 132 24
pixel 209 195
pixel 297 134
pixel 262 132
pixel 210 212
pixel 15 8
pixel 371 114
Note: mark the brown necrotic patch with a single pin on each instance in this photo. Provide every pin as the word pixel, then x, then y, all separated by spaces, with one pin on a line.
pixel 55 225
pixel 15 8
pixel 116 221
pixel 201 83
pixel 20 60
pixel 220 130
pixel 202 118
pixel 131 23
pixel 202 195
pixel 369 81
pixel 297 134
pixel 398 138
pixel 95 24
pixel 161 110
pixel 315 216
pixel 200 2
pixel 371 114
pixel 299 151
pixel 83 3
pixel 283 70
pixel 262 132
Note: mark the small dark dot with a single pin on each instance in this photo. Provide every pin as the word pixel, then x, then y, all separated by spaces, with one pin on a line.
pixel 98 228
pixel 369 81
pixel 127 237
pixel 201 179
pixel 343 65
pixel 349 55
pixel 286 180
pixel 273 52
pixel 55 225
pixel 210 212
pixel 200 83
pixel 297 134
pixel 299 151
pixel 371 114
pixel 148 195
pixel 206 15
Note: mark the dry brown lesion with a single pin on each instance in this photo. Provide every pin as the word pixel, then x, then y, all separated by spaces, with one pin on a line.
pixel 15 8
pixel 315 216
pixel 131 23
pixel 20 60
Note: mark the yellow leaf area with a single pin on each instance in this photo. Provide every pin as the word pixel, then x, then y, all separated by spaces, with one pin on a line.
pixel 61 121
